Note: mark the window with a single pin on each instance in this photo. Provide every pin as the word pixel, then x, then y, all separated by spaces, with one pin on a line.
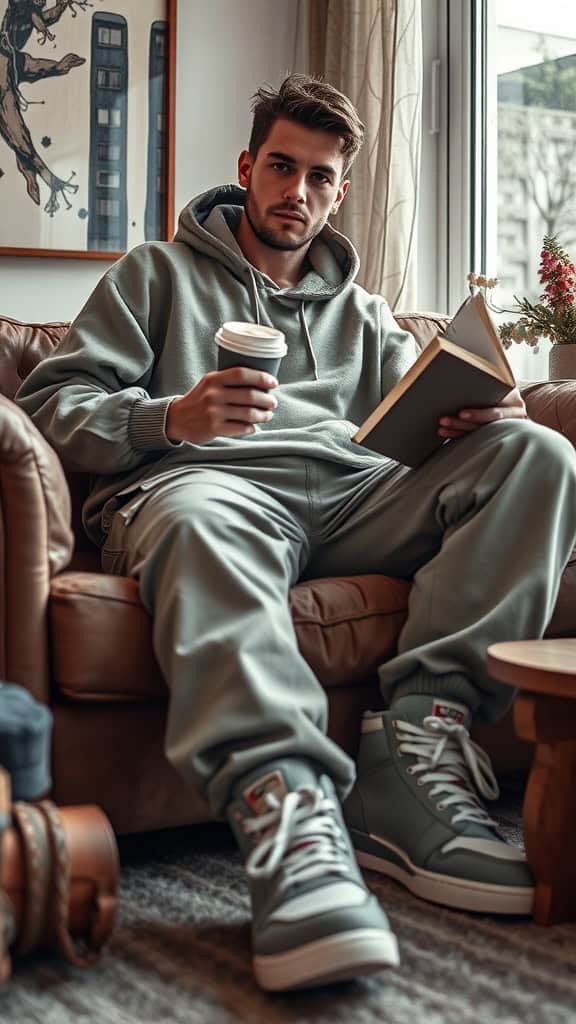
pixel 107 78
pixel 109 36
pixel 108 151
pixel 108 179
pixel 505 147
pixel 109 116
pixel 108 207
pixel 535 70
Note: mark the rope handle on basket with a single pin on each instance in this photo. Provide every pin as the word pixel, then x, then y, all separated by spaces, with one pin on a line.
pixel 83 954
pixel 36 855
pixel 47 866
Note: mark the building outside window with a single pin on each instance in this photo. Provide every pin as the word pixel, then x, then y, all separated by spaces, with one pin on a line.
pixel 499 150
pixel 536 155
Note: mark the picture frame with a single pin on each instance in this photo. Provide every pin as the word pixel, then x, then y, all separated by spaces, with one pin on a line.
pixel 87 126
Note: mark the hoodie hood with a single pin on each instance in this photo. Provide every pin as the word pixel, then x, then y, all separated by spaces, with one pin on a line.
pixel 208 225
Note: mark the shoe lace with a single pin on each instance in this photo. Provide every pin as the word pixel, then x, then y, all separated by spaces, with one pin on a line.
pixel 448 760
pixel 301 834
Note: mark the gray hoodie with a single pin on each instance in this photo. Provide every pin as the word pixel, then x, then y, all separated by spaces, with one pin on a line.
pixel 146 335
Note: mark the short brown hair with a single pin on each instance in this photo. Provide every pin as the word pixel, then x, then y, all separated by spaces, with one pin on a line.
pixel 311 102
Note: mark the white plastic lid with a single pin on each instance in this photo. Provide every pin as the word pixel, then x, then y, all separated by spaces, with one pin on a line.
pixel 251 339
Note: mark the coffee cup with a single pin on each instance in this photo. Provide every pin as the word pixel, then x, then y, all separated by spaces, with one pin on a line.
pixel 253 345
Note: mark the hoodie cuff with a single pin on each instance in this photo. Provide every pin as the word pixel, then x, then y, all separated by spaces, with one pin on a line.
pixel 147 424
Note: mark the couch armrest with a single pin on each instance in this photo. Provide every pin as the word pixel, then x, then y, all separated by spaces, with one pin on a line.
pixel 553 403
pixel 35 543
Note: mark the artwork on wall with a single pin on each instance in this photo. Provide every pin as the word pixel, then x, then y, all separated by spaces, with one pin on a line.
pixel 86 125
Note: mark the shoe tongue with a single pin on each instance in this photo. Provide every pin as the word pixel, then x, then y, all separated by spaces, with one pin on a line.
pixel 414 707
pixel 254 794
pixel 277 779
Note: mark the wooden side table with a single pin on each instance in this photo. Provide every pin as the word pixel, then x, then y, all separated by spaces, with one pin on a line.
pixel 544 671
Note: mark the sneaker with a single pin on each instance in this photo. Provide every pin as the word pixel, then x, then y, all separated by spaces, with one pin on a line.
pixel 314 920
pixel 415 812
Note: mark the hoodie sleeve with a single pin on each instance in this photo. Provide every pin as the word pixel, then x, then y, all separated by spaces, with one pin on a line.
pixel 399 349
pixel 89 397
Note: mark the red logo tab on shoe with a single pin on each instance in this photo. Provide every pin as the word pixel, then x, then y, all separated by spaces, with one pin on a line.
pixel 449 710
pixel 255 794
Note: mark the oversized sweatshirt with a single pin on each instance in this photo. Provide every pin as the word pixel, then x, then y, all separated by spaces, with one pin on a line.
pixel 146 336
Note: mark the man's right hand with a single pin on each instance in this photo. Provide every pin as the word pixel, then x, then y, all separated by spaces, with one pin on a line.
pixel 225 403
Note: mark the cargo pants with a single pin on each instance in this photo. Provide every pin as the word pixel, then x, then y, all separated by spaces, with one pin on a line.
pixel 483 529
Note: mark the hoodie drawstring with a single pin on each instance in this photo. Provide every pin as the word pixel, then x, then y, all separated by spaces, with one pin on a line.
pixel 255 299
pixel 308 340
pixel 258 318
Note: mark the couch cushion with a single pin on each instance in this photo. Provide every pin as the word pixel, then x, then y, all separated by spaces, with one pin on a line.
pixel 22 346
pixel 102 638
pixel 423 326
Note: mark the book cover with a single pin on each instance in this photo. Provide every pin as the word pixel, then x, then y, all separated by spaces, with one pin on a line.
pixel 464 368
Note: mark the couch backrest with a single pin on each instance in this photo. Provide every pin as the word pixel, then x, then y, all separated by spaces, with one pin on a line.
pixel 23 345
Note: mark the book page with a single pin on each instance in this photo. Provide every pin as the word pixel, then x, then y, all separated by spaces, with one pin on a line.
pixel 472 328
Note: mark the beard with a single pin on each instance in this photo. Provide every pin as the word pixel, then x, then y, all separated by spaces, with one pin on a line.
pixel 275 238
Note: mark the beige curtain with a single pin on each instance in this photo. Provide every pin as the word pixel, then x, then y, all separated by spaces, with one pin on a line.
pixel 372 51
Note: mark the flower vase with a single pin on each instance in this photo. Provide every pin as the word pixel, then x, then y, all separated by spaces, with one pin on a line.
pixel 562 362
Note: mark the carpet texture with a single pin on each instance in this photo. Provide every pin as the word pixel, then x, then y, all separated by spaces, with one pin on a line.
pixel 181 953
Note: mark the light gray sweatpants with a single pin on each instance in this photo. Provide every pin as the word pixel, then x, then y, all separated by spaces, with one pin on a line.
pixel 484 529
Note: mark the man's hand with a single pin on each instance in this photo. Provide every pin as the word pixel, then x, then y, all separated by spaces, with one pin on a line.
pixel 225 403
pixel 510 408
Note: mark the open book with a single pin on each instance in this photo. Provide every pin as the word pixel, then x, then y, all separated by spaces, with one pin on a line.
pixel 463 368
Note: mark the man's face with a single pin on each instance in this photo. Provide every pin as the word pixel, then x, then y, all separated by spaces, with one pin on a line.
pixel 293 184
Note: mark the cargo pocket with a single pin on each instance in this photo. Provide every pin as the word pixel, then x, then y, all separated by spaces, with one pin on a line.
pixel 117 515
pixel 113 561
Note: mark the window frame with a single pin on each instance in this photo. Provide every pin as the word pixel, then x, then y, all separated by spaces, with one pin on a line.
pixel 456 171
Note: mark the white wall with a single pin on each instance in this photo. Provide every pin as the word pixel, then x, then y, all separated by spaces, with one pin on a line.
pixel 225 49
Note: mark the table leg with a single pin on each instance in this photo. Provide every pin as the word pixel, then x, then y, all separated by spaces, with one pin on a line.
pixel 549 816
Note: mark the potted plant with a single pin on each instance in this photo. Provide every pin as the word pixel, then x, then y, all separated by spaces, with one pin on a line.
pixel 553 317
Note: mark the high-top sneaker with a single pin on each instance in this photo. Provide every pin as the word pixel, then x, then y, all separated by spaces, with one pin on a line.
pixel 314 920
pixel 415 812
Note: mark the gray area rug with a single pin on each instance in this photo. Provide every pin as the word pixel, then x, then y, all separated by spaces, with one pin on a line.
pixel 181 953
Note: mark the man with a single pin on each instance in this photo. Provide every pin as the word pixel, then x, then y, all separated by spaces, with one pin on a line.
pixel 218 490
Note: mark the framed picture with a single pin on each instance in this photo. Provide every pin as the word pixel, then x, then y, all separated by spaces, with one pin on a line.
pixel 86 126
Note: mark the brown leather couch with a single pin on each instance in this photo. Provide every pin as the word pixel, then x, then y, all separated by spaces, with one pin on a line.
pixel 81 641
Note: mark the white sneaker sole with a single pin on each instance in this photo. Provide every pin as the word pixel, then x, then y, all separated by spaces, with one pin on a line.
pixel 459 893
pixel 338 957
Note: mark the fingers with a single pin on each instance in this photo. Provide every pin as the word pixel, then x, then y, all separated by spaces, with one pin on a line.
pixel 467 420
pixel 246 414
pixel 511 407
pixel 212 407
pixel 243 420
pixel 243 376
pixel 248 397
pixel 233 429
pixel 452 428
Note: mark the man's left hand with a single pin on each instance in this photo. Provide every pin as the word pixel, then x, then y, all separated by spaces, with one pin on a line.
pixel 510 408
